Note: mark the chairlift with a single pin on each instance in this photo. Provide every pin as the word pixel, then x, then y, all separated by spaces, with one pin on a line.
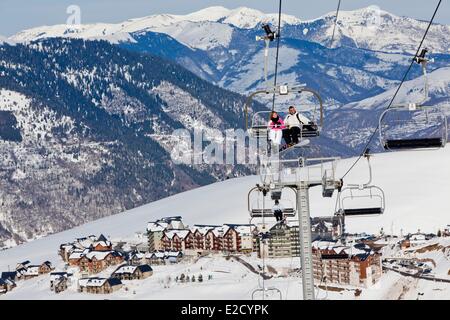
pixel 265 292
pixel 429 123
pixel 260 205
pixel 426 127
pixel 361 200
pixel 258 126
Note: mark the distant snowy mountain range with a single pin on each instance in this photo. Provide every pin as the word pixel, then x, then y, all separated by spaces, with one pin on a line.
pixel 368 28
pixel 370 53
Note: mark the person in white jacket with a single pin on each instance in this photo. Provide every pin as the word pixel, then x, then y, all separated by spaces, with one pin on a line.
pixel 293 122
pixel 278 210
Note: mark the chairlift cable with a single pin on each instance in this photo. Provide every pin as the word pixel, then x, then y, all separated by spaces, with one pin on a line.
pixel 277 54
pixel 398 89
pixel 335 23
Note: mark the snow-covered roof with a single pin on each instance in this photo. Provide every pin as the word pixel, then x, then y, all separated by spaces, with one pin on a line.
pixel 418 236
pixel 218 231
pixel 324 245
pixel 102 243
pixel 173 253
pixel 158 254
pixel 137 255
pixel 202 229
pixel 57 275
pixel 6 282
pixel 125 269
pixel 99 255
pixel 176 224
pixel 155 227
pixel 66 246
pixel 76 255
pixel 244 229
pixel 180 233
pixel 87 243
pixel 32 270
pixel 92 282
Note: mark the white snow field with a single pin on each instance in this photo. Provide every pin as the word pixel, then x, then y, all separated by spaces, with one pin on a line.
pixel 417 190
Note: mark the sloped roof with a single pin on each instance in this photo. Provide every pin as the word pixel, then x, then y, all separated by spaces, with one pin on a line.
pixel 9 275
pixel 102 238
pixel 92 282
pixel 145 268
pixel 182 233
pixel 76 255
pixel 156 227
pixel 202 229
pixel 102 243
pixel 32 270
pixel 99 255
pixel 125 269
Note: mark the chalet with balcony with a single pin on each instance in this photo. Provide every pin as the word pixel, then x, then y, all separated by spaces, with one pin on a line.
pixel 214 239
pixel 99 285
pixel 129 272
pixel 97 261
pixel 178 240
pixel 356 265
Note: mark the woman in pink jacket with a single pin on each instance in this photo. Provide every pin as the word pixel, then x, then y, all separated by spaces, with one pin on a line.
pixel 276 126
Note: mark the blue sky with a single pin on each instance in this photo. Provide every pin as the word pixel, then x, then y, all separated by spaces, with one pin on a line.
pixel 16 15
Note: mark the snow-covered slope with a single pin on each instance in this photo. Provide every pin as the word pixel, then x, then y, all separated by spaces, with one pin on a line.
pixel 416 186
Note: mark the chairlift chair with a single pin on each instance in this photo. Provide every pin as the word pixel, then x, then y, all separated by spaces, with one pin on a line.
pixel 260 205
pixel 265 292
pixel 429 122
pixel 361 200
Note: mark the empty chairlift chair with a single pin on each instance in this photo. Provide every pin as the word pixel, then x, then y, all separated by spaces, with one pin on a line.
pixel 361 200
pixel 414 125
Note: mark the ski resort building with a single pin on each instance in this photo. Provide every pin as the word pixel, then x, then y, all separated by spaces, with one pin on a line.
pixel 99 285
pixel 156 229
pixel 73 250
pixel 356 265
pixel 284 241
pixel 128 272
pixel 329 228
pixel 59 281
pixel 163 257
pixel 97 261
pixel 6 285
pixel 177 240
pixel 28 271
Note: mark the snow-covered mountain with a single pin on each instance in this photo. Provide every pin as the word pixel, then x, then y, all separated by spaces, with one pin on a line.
pixel 207 20
pixel 370 28
pixel 88 122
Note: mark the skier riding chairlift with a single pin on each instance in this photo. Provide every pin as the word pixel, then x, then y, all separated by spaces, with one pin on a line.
pixel 296 126
pixel 278 212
